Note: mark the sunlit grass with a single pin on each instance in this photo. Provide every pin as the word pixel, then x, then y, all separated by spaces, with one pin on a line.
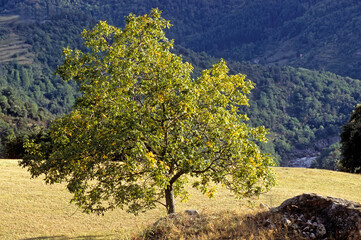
pixel 32 209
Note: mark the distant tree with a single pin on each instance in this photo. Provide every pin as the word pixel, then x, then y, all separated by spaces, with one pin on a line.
pixel 14 147
pixel 143 126
pixel 351 142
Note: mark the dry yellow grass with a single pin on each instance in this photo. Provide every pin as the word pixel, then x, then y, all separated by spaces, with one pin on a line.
pixel 32 210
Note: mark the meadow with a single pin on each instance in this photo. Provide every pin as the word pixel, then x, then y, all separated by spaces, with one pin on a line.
pixel 30 209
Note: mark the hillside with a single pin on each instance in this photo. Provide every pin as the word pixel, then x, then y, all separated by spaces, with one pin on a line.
pixel 12 46
pixel 19 117
pixel 49 214
pixel 321 35
pixel 304 109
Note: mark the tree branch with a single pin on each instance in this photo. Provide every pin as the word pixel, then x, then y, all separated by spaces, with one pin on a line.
pixel 207 168
pixel 211 164
pixel 175 177
pixel 160 203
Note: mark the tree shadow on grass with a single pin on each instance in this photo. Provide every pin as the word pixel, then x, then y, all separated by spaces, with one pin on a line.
pixel 62 237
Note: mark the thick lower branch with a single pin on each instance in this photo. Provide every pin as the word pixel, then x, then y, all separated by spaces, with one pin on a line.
pixel 175 177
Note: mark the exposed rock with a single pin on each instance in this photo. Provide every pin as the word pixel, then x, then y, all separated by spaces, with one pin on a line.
pixel 321 230
pixel 322 217
pixel 286 222
pixel 264 206
pixel 268 223
pixel 304 162
pixel 305 157
pixel 192 212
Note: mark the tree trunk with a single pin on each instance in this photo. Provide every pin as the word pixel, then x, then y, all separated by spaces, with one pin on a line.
pixel 169 199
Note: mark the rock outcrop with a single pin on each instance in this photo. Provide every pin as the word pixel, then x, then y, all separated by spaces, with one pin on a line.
pixel 316 217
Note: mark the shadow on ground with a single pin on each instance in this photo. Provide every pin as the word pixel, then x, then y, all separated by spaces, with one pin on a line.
pixel 62 237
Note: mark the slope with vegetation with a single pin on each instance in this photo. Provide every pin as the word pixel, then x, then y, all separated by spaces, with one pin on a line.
pixel 304 109
pixel 19 118
pixel 308 33
pixel 12 46
pixel 329 158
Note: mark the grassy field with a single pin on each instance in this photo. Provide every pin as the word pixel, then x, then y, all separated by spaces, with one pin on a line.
pixel 32 210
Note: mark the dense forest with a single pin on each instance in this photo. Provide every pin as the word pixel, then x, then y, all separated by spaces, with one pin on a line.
pixel 321 35
pixel 303 108
pixel 273 42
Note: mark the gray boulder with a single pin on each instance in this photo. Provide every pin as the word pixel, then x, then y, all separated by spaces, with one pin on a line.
pixel 325 216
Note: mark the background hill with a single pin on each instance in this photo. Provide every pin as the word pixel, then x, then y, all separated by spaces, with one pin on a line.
pixel 321 35
pixel 303 108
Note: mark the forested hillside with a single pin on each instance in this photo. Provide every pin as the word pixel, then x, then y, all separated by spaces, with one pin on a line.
pixel 304 109
pixel 321 35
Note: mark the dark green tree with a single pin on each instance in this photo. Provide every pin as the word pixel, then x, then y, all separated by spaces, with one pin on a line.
pixel 351 142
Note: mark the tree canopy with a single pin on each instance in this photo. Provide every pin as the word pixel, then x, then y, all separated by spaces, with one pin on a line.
pixel 351 142
pixel 143 126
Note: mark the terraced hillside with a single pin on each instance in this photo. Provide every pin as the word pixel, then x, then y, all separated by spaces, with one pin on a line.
pixel 12 46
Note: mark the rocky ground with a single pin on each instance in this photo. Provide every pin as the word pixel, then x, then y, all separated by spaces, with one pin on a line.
pixel 304 217
pixel 304 162
pixel 315 217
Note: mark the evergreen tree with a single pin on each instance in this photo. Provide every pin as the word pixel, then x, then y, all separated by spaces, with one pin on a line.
pixel 351 142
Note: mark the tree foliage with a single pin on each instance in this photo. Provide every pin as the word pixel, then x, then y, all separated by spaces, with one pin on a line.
pixel 143 126
pixel 351 142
